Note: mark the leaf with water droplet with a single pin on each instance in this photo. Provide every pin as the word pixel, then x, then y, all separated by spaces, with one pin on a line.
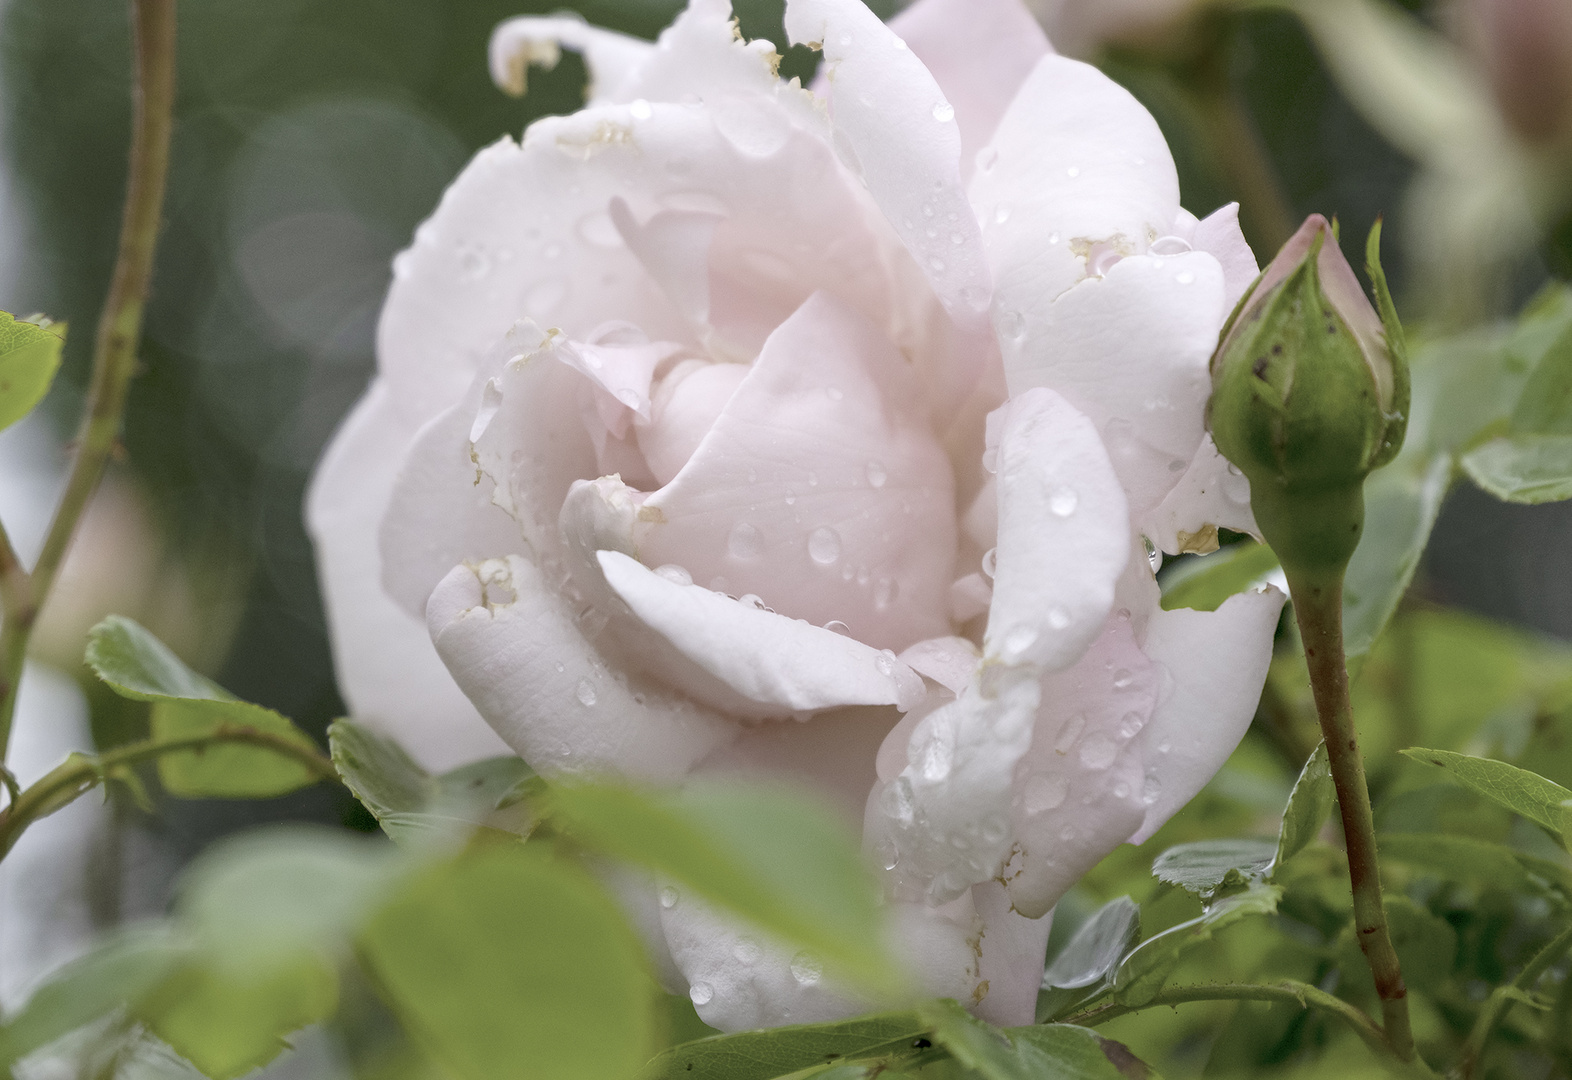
pixel 1205 866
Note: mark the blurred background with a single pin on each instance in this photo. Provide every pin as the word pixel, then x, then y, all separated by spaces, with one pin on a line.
pixel 311 139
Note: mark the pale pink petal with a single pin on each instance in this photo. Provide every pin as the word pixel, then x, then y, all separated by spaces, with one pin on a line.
pixel 1064 533
pixel 821 488
pixel 948 661
pixel 1218 660
pixel 687 403
pixel 940 946
pixel 388 673
pixel 439 515
pixel 613 59
pixel 1077 169
pixel 1013 947
pixel 979 52
pixel 784 664
pixel 894 127
pixel 1130 350
pixel 1219 235
pixel 1211 494
pixel 739 978
pixel 513 645
pixel 1078 791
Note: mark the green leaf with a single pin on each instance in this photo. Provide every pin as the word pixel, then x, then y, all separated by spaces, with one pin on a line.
pixel 1145 970
pixel 774 858
pixel 884 1041
pixel 413 806
pixel 1205 866
pixel 227 1022
pixel 118 970
pixel 1097 947
pixel 29 358
pixel 137 665
pixel 1543 340
pixel 1401 505
pixel 508 965
pixel 1464 858
pixel 1523 468
pixel 1518 790
pixel 1308 806
pixel 1028 1053
pixel 1204 582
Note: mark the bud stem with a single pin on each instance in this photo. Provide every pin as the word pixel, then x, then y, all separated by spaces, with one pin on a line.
pixel 1318 607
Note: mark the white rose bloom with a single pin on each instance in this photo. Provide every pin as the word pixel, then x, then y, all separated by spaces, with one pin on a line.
pixel 722 427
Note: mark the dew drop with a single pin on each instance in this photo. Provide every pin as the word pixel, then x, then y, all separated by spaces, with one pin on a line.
pixel 586 693
pixel 1053 238
pixel 1063 502
pixel 748 951
pixel 1019 640
pixel 1012 324
pixel 937 264
pixel 897 801
pixel 885 590
pixel 876 474
pixel 994 830
pixel 1169 245
pixel 1058 618
pixel 1122 679
pixel 749 600
pixel 885 663
pixel 630 398
pixel 1073 171
pixel 990 563
pixel 936 760
pixel 1152 790
pixel 668 897
pixel 1044 793
pixel 1098 751
pixel 1002 214
pixel 835 626
pixel 887 853
pixel 990 460
pixel 745 542
pixel 824 546
pixel 1121 790
pixel 1184 277
pixel 944 112
pixel 675 574
pixel 806 970
pixel 642 110
pixel 561 667
pixel 813 479
pixel 701 993
pixel 1072 731
pixel 1154 558
pixel 1067 833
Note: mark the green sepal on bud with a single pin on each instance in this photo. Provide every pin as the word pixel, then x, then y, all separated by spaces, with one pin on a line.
pixel 1309 394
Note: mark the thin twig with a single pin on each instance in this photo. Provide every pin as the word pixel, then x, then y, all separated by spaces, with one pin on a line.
pixel 79 773
pixel 1287 991
pixel 119 330
pixel 1501 1000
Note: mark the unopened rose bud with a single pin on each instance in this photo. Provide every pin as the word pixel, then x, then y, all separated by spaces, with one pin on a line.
pixel 1309 394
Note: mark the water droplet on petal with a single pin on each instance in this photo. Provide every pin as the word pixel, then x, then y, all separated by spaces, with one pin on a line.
pixel 1121 790
pixel 936 759
pixel 876 474
pixel 937 264
pixel 1152 790
pixel 1018 640
pixel 669 897
pixel 1169 245
pixel 1184 277
pixel 1072 731
pixel 835 626
pixel 990 563
pixel 885 590
pixel 1098 751
pixel 561 667
pixel 701 993
pixel 675 574
pixel 944 112
pixel 887 853
pixel 749 600
pixel 1063 501
pixel 1002 213
pixel 586 693
pixel 1044 793
pixel 642 110
pixel 1073 171
pixel 1122 678
pixel 824 546
pixel 1058 618
pixel 745 542
pixel 885 662
pixel 747 951
pixel 806 970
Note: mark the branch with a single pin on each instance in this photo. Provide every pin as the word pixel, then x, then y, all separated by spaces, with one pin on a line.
pixel 80 774
pixel 1287 992
pixel 1502 997
pixel 119 329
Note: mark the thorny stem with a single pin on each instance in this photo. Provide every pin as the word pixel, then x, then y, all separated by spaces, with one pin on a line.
pixel 1501 999
pixel 114 351
pixel 79 773
pixel 1318 606
pixel 1288 991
